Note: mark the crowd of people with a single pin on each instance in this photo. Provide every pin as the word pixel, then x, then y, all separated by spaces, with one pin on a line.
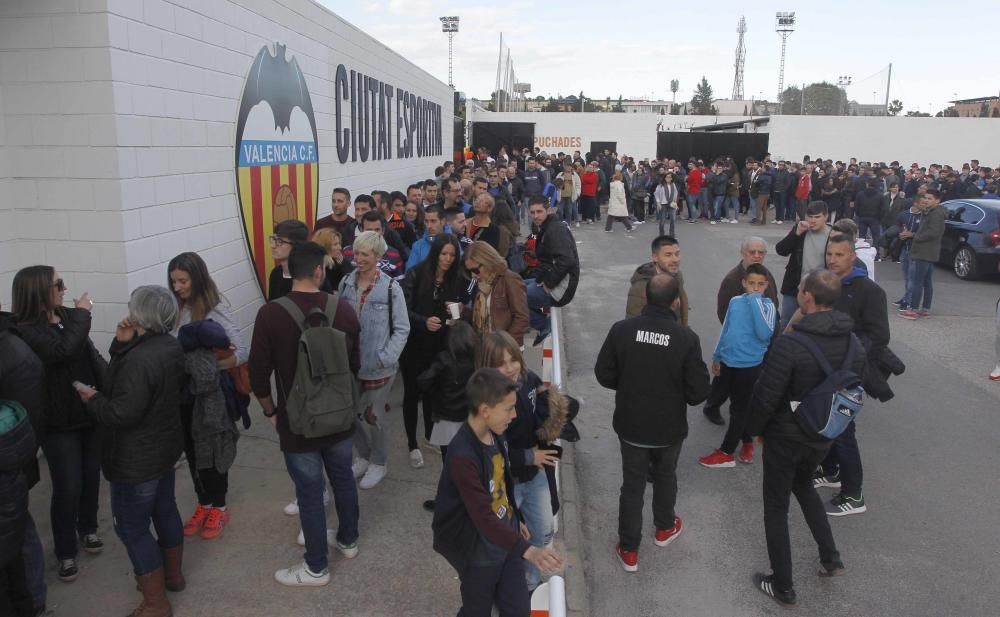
pixel 443 283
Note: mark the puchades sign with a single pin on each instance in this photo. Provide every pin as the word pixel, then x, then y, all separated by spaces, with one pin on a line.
pixel 277 154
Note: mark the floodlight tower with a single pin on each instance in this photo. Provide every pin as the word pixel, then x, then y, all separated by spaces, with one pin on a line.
pixel 784 25
pixel 449 25
pixel 741 56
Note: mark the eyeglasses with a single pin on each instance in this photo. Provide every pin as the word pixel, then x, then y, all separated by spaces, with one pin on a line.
pixel 60 285
pixel 475 270
pixel 277 240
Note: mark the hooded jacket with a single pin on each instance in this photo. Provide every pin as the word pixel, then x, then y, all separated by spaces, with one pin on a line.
pixel 790 372
pixel 21 377
pixel 17 450
pixel 655 367
pixel 637 293
pixel 868 204
pixel 139 409
pixel 865 302
pixel 926 244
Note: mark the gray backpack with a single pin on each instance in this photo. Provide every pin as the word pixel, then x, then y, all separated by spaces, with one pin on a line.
pixel 320 401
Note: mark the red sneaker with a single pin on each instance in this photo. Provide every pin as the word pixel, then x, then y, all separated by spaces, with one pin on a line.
pixel 215 523
pixel 909 314
pixel 664 537
pixel 746 453
pixel 628 559
pixel 716 459
pixel 197 521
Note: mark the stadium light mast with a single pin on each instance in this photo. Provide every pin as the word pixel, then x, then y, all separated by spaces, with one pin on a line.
pixel 449 25
pixel 784 25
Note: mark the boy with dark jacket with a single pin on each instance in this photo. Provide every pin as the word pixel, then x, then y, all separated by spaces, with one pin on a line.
pixel 558 272
pixel 790 455
pixel 654 365
pixel 477 526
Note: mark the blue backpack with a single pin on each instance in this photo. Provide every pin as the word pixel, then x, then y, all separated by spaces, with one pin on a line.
pixel 828 409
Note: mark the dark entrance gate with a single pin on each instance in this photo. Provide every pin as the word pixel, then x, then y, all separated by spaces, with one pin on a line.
pixel 710 146
pixel 493 135
pixel 598 147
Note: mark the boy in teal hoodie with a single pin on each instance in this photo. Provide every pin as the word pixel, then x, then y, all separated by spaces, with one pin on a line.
pixel 746 333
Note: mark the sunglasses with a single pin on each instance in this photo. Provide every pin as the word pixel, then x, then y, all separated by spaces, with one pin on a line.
pixel 59 285
pixel 475 270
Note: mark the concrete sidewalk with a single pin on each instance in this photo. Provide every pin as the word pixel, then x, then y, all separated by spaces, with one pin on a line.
pixel 396 572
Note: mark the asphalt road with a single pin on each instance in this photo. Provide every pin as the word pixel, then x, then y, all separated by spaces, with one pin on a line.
pixel 928 544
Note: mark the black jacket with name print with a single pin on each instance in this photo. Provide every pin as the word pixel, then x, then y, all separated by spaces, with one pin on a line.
pixel 654 365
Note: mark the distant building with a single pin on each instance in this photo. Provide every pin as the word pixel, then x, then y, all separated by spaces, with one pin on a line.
pixel 855 108
pixel 983 107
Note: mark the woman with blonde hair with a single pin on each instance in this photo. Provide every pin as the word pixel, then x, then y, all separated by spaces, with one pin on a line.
pixel 500 301
pixel 337 267
pixel 617 205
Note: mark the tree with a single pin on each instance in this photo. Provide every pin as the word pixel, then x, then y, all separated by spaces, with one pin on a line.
pixel 791 101
pixel 619 107
pixel 675 109
pixel 949 112
pixel 701 102
pixel 895 107
pixel 541 98
pixel 917 114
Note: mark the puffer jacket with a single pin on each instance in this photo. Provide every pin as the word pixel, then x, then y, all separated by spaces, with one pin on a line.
pixel 21 378
pixel 139 409
pixel 68 356
pixel 17 449
pixel 868 204
pixel 445 381
pixel 790 372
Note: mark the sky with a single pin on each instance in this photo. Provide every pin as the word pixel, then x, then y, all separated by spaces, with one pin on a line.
pixel 607 49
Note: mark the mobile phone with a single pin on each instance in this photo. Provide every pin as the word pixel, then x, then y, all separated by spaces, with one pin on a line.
pixel 79 385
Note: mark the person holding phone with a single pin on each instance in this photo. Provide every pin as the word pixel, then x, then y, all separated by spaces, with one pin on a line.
pixel 59 336
pixel 529 458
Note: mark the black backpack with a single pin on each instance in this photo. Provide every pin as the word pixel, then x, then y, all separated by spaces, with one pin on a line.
pixel 828 409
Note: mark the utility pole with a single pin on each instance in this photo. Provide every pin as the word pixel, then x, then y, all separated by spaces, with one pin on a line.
pixel 888 81
pixel 741 56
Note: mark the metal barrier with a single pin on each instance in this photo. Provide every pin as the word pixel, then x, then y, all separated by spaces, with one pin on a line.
pixel 549 600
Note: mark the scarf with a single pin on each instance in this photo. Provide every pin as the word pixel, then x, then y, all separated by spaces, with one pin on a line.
pixel 482 320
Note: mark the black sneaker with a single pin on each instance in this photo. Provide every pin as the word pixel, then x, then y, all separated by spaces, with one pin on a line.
pixel 842 505
pixel 765 584
pixel 714 415
pixel 541 337
pixel 68 570
pixel 898 303
pixel 820 480
pixel 831 568
pixel 429 505
pixel 92 543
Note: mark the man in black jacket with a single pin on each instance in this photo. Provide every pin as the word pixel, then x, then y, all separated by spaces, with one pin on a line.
pixel 791 455
pixel 558 271
pixel 654 365
pixel 865 303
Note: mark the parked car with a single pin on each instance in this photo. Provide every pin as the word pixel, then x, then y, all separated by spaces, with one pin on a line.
pixel 971 243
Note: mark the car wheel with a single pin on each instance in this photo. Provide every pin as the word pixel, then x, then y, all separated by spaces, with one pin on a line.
pixel 964 264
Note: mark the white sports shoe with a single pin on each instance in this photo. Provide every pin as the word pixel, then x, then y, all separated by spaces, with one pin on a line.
pixel 373 476
pixel 301 576
pixel 416 458
pixel 292 509
pixel 995 375
pixel 359 467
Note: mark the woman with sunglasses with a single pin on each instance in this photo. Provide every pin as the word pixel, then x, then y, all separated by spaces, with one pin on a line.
pixel 500 301
pixel 59 336
pixel 199 299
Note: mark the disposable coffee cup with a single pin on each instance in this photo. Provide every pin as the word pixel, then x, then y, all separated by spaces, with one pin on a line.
pixel 455 310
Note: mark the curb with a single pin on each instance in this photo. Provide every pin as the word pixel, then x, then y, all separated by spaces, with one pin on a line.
pixel 571 528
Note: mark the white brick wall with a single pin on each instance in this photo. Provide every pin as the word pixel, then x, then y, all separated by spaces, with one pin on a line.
pixel 117 129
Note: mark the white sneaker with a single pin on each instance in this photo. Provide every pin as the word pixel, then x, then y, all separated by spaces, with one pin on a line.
pixel 578 223
pixel 359 467
pixel 609 231
pixel 995 375
pixel 711 222
pixel 373 476
pixel 348 551
pixel 734 221
pixel 301 576
pixel 416 458
pixel 292 509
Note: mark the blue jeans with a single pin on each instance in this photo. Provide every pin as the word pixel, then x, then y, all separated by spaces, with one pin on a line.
pixel 920 290
pixel 904 264
pixel 845 457
pixel 538 301
pixel 720 201
pixel 568 210
pixel 666 213
pixel 34 563
pixel 694 200
pixel 866 224
pixel 734 203
pixel 789 304
pixel 306 470
pixel 133 506
pixel 706 204
pixel 535 503
pixel 75 468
